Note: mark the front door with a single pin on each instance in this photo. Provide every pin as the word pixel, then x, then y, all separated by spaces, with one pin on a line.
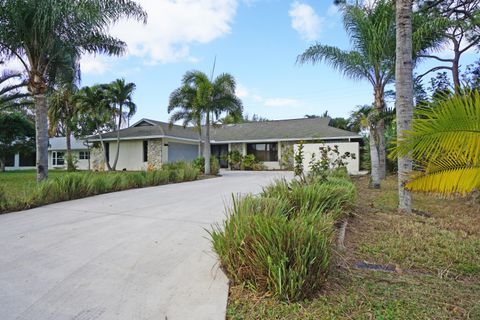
pixel 220 151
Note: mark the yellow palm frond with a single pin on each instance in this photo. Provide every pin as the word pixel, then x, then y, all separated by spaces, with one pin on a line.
pixel 445 141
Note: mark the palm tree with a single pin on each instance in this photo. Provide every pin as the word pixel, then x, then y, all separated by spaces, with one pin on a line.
pixel 119 95
pixel 208 99
pixel 372 33
pixel 39 33
pixel 11 95
pixel 95 111
pixel 445 141
pixel 61 114
pixel 404 96
pixel 182 104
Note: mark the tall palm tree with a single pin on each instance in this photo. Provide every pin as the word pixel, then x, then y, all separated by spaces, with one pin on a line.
pixel 61 114
pixel 95 111
pixel 404 96
pixel 182 104
pixel 445 141
pixel 372 33
pixel 208 99
pixel 39 32
pixel 120 96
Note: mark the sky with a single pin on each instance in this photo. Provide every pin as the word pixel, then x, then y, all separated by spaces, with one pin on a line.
pixel 257 41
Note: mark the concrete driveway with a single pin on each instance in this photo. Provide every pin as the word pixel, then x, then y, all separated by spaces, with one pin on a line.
pixel 138 254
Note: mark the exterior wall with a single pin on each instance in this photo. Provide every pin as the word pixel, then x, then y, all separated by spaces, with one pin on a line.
pixel 131 155
pixel 80 164
pixel 353 166
pixel 154 156
pixel 241 147
pixel 97 162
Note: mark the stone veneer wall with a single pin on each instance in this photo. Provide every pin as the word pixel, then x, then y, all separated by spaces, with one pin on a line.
pixel 154 154
pixel 287 154
pixel 97 162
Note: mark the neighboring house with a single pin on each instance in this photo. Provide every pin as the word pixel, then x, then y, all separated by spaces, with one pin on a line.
pixel 57 149
pixel 149 143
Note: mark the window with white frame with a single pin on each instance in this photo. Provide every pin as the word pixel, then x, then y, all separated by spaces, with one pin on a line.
pixel 58 158
pixel 84 155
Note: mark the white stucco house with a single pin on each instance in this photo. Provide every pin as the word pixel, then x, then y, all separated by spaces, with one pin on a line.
pixel 57 149
pixel 150 143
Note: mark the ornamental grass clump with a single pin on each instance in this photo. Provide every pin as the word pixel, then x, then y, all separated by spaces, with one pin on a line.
pixel 280 241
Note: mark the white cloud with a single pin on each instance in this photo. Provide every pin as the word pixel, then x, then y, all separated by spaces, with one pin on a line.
pixel 94 64
pixel 305 21
pixel 333 10
pixel 175 25
pixel 242 91
pixel 281 102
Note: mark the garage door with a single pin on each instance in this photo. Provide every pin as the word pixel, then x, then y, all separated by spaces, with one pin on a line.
pixel 182 151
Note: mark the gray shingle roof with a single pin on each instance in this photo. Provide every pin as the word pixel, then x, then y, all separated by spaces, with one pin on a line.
pixel 294 129
pixel 156 129
pixel 60 143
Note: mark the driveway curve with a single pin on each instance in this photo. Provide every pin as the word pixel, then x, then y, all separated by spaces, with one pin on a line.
pixel 137 254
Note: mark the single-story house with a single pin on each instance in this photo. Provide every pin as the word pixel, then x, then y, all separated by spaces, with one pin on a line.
pixel 149 143
pixel 57 149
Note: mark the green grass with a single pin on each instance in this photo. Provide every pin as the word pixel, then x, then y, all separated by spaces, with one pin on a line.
pixel 437 260
pixel 19 190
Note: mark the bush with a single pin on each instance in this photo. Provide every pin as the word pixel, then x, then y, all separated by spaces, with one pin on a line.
pixel 79 185
pixel 199 164
pixel 288 258
pixel 280 241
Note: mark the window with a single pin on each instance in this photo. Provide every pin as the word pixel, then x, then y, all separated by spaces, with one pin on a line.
pixel 84 155
pixel 58 158
pixel 263 151
pixel 145 151
pixel 107 151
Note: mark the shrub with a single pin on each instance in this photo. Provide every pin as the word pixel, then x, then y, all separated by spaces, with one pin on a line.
pixel 288 258
pixel 280 241
pixel 214 166
pixel 199 164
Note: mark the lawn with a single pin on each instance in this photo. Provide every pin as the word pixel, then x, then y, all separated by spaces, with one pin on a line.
pixel 436 256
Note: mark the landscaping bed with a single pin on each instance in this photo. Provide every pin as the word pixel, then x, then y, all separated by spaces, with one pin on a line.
pixel 435 259
pixel 19 189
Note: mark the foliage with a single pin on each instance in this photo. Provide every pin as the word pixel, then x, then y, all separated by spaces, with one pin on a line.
pixel 83 184
pixel 17 133
pixel 445 141
pixel 298 160
pixel 279 243
pixel 237 161
pixel 330 159
pixel 199 164
pixel 286 160
pixel 11 94
pixel 202 98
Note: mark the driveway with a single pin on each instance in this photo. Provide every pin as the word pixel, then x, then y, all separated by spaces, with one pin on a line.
pixel 137 254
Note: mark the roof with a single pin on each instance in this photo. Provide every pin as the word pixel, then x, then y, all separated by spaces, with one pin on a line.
pixel 60 143
pixel 276 130
pixel 147 128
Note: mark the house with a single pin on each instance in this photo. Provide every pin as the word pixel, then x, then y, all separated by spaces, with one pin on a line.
pixel 57 149
pixel 148 143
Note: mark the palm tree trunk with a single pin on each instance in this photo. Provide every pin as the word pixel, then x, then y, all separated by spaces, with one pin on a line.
pixel 207 151
pixel 374 160
pixel 104 152
pixel 70 164
pixel 404 100
pixel 41 128
pixel 380 132
pixel 114 166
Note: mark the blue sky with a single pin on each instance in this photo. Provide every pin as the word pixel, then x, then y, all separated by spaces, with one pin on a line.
pixel 257 41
